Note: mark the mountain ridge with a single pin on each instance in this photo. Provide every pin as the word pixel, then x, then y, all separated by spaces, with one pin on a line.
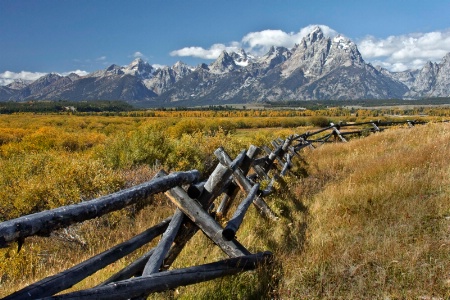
pixel 318 68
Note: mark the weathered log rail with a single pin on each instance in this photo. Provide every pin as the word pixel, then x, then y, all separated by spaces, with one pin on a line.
pixel 149 273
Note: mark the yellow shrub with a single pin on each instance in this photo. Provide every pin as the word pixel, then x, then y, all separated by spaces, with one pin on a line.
pixel 41 181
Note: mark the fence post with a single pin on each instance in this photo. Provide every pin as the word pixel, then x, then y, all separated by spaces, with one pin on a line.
pixel 246 186
pixel 205 222
pixel 235 222
pixel 233 189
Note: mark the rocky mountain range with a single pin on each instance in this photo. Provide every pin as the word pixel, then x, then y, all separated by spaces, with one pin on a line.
pixel 318 68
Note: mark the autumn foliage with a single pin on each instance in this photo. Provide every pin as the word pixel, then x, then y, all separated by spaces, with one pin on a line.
pixel 366 219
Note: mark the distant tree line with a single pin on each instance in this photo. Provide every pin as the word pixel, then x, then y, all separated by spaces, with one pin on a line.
pixel 323 104
pixel 64 106
pixel 198 108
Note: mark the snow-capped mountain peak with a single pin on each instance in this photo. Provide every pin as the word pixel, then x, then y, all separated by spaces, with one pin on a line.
pixel 223 64
pixel 274 56
pixel 315 35
pixel 140 68
pixel 342 42
pixel 320 66
pixel 241 58
pixel 18 84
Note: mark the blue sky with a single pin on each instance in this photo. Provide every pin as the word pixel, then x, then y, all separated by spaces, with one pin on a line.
pixel 41 36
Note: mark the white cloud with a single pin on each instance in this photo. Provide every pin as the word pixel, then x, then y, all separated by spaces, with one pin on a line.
pixel 78 72
pixel 212 53
pixel 402 52
pixel 101 58
pixel 158 66
pixel 327 31
pixel 268 38
pixel 260 42
pixel 139 54
pixel 254 42
pixel 8 77
pixel 395 53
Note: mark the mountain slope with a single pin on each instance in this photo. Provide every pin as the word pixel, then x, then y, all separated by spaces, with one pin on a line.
pixel 319 67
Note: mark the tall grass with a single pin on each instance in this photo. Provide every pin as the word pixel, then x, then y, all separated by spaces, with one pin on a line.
pixel 366 219
pixel 379 225
pixel 369 219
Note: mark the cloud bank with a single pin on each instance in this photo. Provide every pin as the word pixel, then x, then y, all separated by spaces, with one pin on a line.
pixel 8 77
pixel 411 51
pixel 395 53
pixel 212 53
pixel 257 43
pixel 139 54
pixel 78 72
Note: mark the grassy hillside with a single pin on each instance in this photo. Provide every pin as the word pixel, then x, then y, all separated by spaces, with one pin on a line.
pixel 369 219
pixel 365 219
pixel 380 224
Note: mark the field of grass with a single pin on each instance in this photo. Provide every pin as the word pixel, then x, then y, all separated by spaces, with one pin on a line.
pixel 365 219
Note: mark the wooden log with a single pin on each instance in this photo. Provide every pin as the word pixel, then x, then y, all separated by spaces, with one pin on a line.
pixel 259 161
pixel 252 152
pixel 195 190
pixel 358 132
pixel 375 126
pixel 305 144
pixel 155 261
pixel 235 222
pixel 219 179
pixel 298 137
pixel 260 172
pixel 233 189
pixel 205 222
pixel 237 162
pixel 246 186
pixel 323 139
pixel 227 198
pixel 133 269
pixel 337 133
pixel 187 231
pixel 356 124
pixel 269 188
pixel 43 223
pixel 287 143
pixel 274 155
pixel 66 279
pixel 212 188
pixel 168 280
pixel 224 206
pixel 275 144
pixel 292 151
pixel 276 177
pixel 309 134
pixel 267 149
pixel 286 166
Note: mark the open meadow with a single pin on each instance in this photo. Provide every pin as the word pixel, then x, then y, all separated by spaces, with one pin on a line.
pixel 367 219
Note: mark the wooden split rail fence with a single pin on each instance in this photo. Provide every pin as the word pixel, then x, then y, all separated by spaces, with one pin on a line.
pixel 195 211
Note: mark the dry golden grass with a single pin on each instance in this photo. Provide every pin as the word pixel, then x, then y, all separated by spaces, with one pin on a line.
pixel 379 227
pixel 368 219
pixel 42 257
